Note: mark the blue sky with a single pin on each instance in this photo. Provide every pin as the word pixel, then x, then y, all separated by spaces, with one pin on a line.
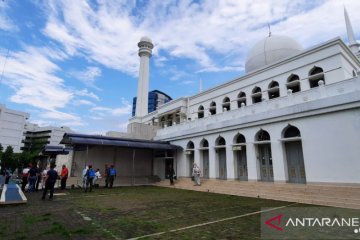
pixel 74 63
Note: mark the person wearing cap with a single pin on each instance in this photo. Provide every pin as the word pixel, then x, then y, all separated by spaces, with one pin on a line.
pixel 90 175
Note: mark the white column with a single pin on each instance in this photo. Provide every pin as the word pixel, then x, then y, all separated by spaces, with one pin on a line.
pixel 230 166
pixel 143 87
pixel 252 162
pixel 145 46
pixel 197 156
pixel 233 104
pixel 212 162
pixel 278 161
pixel 219 108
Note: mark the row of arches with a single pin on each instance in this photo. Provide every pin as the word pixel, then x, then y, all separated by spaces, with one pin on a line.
pixel 316 78
pixel 262 135
pixel 262 140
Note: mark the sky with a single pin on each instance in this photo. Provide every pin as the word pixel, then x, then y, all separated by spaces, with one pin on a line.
pixel 74 62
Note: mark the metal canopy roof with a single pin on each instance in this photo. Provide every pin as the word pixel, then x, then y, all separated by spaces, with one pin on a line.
pixel 48 149
pixel 82 139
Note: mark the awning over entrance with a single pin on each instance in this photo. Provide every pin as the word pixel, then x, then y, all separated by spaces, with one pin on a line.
pixel 82 139
pixel 54 150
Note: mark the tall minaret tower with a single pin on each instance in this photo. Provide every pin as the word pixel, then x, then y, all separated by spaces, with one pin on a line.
pixel 145 49
pixel 353 45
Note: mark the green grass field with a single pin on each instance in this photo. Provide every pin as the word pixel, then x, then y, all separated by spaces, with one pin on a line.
pixel 129 212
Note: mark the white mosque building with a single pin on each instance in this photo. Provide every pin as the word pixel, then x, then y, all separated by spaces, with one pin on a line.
pixel 294 117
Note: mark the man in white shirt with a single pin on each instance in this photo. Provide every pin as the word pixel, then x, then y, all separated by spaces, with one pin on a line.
pixel 84 176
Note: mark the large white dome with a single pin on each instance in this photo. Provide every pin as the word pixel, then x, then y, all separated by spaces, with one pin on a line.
pixel 270 50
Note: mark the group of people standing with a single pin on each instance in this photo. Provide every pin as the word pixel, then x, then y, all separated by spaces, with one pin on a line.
pixel 33 176
pixel 92 177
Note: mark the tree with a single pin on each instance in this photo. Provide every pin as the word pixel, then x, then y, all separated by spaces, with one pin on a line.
pixel 7 160
pixel 26 157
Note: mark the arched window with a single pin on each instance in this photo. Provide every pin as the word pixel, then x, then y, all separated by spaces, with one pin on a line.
pixel 212 108
pixel 291 131
pixel 177 117
pixel 226 104
pixel 190 145
pixel 316 75
pixel 273 90
pixel 162 122
pixel 239 138
pixel 241 99
pixel 201 112
pixel 256 95
pixel 220 141
pixel 169 120
pixel 293 83
pixel 204 143
pixel 262 135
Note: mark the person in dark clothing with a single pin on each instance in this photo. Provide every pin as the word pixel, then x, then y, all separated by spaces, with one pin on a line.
pixel 39 177
pixel 90 175
pixel 106 176
pixel 7 176
pixel 171 174
pixel 50 180
pixel 32 178
pixel 112 175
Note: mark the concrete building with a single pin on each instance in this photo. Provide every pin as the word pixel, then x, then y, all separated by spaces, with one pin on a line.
pixel 156 98
pixel 12 125
pixel 293 117
pixel 37 137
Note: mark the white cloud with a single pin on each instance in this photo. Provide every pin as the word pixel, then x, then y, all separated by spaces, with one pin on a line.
pixel 108 33
pixel 59 116
pixel 5 21
pixel 32 75
pixel 125 109
pixel 105 34
pixel 88 76
pixel 66 119
pixel 187 82
pixel 222 69
pixel 86 93
pixel 83 102
pixel 160 61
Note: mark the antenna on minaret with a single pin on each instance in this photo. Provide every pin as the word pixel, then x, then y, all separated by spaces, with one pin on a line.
pixel 200 85
pixel 353 45
pixel 269 30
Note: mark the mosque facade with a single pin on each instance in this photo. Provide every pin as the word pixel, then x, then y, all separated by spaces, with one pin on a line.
pixel 294 117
